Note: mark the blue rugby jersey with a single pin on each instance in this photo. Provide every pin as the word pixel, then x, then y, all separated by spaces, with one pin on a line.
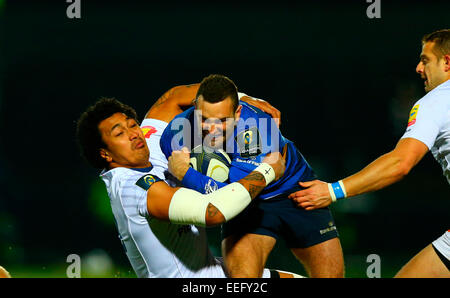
pixel 254 136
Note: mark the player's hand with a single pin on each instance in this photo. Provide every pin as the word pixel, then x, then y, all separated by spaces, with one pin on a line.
pixel 179 163
pixel 277 162
pixel 265 107
pixel 315 195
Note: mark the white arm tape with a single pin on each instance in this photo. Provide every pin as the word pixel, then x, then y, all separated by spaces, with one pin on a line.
pixel 189 207
pixel 232 200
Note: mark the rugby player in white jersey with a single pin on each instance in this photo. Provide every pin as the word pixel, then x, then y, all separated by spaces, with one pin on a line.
pixel 161 227
pixel 428 129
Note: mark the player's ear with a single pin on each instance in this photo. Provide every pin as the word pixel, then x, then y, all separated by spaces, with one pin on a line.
pixel 447 63
pixel 237 113
pixel 105 155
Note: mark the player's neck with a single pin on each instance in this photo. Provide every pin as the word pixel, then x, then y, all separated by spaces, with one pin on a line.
pixel 114 165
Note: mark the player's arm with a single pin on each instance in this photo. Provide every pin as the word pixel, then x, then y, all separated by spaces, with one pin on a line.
pixel 173 102
pixel 186 206
pixel 263 106
pixel 384 171
pixel 178 98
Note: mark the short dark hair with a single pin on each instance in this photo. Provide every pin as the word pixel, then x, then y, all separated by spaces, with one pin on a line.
pixel 441 38
pixel 88 135
pixel 215 88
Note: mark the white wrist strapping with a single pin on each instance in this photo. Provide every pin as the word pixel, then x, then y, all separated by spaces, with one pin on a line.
pixel 267 171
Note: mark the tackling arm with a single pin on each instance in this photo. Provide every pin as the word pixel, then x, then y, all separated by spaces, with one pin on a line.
pixel 178 98
pixel 185 206
pixel 173 102
pixel 384 171
pixel 387 169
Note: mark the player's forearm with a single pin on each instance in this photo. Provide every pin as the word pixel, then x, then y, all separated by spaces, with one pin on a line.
pixel 254 183
pixel 189 207
pixel 173 102
pixel 199 182
pixel 382 172
pixel 183 95
pixel 229 204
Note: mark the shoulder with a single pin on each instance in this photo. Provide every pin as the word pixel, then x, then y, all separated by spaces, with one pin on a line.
pixel 437 97
pixel 249 110
pixel 128 182
pixel 150 125
pixel 179 120
pixel 186 114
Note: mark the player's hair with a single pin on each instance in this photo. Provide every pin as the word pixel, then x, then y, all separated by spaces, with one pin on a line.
pixel 215 88
pixel 88 135
pixel 441 39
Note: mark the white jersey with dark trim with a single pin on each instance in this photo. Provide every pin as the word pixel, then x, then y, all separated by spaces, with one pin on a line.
pixel 156 248
pixel 429 122
pixel 153 130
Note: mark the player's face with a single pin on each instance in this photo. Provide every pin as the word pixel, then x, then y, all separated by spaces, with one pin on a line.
pixel 125 142
pixel 431 68
pixel 216 120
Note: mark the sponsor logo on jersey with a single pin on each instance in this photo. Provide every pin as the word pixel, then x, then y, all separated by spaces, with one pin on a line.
pixel 148 131
pixel 211 186
pixel 413 115
pixel 248 161
pixel 249 142
pixel 146 181
pixel 248 135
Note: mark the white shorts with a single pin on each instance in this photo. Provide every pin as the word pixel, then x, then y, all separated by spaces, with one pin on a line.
pixel 442 244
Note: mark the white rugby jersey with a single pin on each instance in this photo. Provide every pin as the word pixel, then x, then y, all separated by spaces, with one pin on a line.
pixel 429 122
pixel 153 130
pixel 154 247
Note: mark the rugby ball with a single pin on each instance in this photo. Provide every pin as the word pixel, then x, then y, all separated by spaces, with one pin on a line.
pixel 215 164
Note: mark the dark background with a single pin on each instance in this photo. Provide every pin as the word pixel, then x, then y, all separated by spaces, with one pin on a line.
pixel 343 82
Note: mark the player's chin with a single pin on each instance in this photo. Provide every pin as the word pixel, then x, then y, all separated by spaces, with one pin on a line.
pixel 141 157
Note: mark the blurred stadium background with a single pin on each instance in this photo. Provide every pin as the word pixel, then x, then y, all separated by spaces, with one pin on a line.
pixel 343 82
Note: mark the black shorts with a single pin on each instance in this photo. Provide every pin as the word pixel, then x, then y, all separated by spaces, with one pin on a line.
pixel 280 217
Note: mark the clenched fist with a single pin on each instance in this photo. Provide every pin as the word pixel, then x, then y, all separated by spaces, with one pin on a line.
pixel 179 163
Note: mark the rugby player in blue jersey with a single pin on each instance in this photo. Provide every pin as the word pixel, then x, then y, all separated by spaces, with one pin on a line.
pixel 220 121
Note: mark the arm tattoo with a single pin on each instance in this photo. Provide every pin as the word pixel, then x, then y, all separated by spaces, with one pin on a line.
pixel 213 214
pixel 254 183
pixel 212 210
pixel 161 100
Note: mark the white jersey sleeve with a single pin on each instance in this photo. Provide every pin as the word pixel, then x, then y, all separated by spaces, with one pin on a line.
pixel 424 122
pixel 429 122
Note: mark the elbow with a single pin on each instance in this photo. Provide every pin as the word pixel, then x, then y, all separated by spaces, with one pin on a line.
pixel 213 216
pixel 212 222
pixel 401 170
